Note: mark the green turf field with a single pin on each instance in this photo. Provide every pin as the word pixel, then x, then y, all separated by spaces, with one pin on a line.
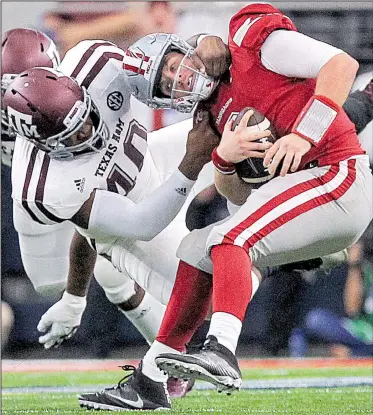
pixel 313 401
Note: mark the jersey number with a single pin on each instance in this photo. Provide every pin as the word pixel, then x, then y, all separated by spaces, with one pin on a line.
pixel 118 177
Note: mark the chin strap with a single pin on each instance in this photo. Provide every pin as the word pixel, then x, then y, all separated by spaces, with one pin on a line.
pixel 315 119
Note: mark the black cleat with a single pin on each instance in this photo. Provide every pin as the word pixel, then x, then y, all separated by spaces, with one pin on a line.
pixel 214 363
pixel 134 392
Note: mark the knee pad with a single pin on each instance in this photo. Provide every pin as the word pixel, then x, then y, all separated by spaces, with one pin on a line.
pixel 118 286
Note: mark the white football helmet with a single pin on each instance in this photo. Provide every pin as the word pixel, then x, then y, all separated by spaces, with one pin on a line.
pixel 143 65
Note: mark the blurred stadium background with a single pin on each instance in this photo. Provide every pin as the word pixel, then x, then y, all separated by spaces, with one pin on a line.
pixel 276 321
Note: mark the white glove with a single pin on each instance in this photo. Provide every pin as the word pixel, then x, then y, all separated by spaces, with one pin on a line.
pixel 61 320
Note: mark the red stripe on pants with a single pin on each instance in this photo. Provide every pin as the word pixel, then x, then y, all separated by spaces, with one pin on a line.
pixel 305 207
pixel 278 200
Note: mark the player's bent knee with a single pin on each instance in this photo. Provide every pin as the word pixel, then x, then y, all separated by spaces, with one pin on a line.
pixel 118 286
pixel 192 250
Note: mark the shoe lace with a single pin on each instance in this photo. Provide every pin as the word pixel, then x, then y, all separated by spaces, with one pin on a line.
pixel 125 378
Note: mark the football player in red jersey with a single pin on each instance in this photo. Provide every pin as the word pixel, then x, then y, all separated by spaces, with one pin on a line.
pixel 299 84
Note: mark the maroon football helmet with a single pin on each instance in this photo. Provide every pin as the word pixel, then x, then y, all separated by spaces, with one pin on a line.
pixel 51 110
pixel 22 49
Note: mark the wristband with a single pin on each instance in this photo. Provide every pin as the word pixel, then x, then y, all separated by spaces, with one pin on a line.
pixel 315 119
pixel 222 166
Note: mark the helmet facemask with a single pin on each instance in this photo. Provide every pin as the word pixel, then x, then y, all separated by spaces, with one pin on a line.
pixel 60 147
pixel 200 86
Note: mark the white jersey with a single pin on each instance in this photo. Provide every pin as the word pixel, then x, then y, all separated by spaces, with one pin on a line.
pixel 51 191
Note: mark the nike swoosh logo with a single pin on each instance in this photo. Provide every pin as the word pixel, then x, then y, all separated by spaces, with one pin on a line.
pixel 135 404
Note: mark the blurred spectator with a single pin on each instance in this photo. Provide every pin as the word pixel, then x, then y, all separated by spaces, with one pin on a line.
pixel 205 17
pixel 352 334
pixel 119 22
pixel 7 320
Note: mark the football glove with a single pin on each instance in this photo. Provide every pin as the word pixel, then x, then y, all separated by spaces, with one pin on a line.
pixel 62 320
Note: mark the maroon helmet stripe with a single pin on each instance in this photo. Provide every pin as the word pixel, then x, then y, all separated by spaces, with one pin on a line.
pixel 26 185
pixel 86 55
pixel 39 195
pixel 96 68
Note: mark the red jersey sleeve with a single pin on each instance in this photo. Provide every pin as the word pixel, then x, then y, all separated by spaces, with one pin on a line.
pixel 249 28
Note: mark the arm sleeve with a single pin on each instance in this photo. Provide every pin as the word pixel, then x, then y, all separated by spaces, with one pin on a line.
pixel 359 109
pixel 293 54
pixel 118 216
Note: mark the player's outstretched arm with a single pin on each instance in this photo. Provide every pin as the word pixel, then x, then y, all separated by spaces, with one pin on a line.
pixel 115 215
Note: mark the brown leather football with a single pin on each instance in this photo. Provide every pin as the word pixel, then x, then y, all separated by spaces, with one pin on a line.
pixel 252 170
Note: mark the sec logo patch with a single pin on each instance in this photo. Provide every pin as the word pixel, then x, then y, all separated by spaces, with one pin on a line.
pixel 115 100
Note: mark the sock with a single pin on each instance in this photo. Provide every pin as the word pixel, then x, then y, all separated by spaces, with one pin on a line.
pixel 149 368
pixel 226 328
pixel 147 317
pixel 232 280
pixel 188 306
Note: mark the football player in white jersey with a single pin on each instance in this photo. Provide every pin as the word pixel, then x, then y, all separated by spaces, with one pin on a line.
pixel 93 143
pixel 41 245
pixel 45 249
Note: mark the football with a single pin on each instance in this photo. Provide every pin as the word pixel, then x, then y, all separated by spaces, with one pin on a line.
pixel 252 170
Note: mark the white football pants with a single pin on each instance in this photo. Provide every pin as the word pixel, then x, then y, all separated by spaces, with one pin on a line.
pixel 303 215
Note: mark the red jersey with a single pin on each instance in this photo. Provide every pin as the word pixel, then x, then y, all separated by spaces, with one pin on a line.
pixel 278 97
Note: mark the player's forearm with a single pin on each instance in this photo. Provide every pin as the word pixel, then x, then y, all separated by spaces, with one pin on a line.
pixel 82 263
pixel 232 188
pixel 118 216
pixel 336 77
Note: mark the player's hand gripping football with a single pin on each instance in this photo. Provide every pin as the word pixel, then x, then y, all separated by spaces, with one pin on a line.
pixel 212 56
pixel 240 144
pixel 202 139
pixel 62 320
pixel 289 148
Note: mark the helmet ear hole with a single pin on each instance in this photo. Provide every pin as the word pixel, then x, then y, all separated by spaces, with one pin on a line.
pixel 41 47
